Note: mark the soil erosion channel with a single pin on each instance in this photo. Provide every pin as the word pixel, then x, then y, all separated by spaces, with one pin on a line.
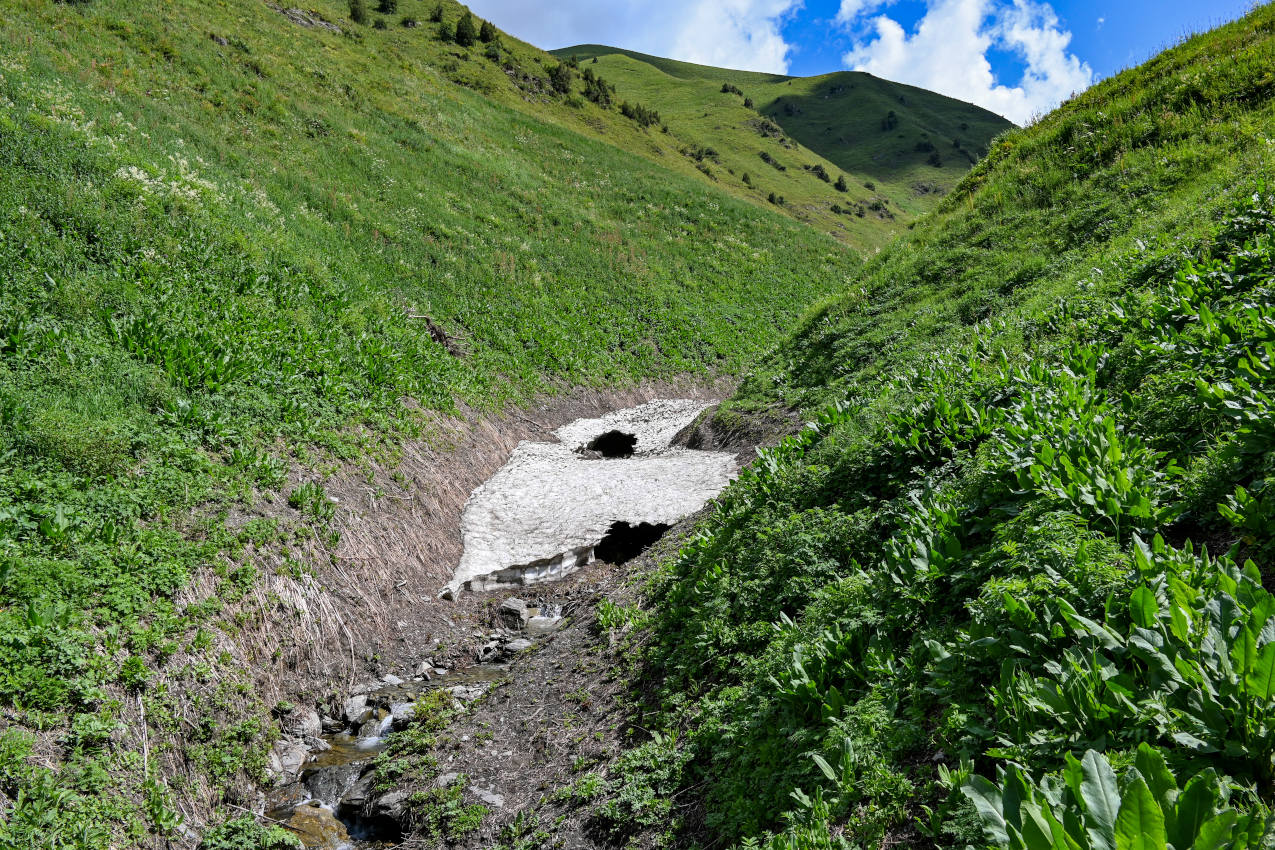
pixel 605 492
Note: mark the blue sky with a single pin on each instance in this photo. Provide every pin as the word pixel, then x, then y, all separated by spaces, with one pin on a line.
pixel 1019 58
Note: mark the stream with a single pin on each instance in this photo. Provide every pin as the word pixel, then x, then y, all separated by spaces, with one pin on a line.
pixel 604 491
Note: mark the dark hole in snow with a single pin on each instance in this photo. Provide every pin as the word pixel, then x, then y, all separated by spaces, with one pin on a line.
pixel 624 542
pixel 613 444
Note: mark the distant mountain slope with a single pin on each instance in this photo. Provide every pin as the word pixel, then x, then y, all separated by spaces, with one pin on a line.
pixel 913 144
pixel 1017 532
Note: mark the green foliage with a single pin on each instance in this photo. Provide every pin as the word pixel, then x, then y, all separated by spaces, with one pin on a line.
pixel 245 833
pixel 466 31
pixel 358 12
pixel 1087 807
pixel 961 559
pixel 560 77
pixel 643 115
pixel 488 33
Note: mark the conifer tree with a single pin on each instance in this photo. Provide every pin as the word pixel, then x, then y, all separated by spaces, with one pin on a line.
pixel 358 12
pixel 466 32
pixel 487 33
pixel 436 16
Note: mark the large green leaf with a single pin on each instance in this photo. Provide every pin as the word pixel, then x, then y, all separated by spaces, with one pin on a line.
pixel 986 798
pixel 1244 652
pixel 1199 801
pixel 1101 800
pixel 1143 608
pixel 1261 678
pixel 1215 833
pixel 1140 824
pixel 1151 764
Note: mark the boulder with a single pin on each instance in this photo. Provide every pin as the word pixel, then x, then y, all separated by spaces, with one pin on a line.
pixel 318 827
pixel 354 709
pixel 309 724
pixel 519 645
pixel 391 680
pixel 402 713
pixel 513 611
pixel 464 694
pixel 490 798
pixel 287 756
pixel 392 803
pixel 359 793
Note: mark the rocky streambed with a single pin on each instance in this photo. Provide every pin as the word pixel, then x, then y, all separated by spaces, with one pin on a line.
pixel 325 789
pixel 603 493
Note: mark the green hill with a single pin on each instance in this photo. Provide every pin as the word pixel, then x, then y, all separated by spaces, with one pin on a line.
pixel 1028 533
pixel 241 247
pixel 249 253
pixel 893 142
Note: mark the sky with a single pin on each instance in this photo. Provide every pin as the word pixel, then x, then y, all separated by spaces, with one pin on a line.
pixel 1018 58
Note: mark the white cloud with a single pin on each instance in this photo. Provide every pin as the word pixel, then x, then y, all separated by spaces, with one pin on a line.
pixel 743 34
pixel 947 52
pixel 852 10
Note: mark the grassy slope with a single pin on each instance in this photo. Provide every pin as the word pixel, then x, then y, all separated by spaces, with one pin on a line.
pixel 833 120
pixel 216 227
pixel 1072 354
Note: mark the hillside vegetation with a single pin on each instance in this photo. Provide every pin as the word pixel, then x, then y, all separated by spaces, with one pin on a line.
pixel 235 247
pixel 899 148
pixel 1010 586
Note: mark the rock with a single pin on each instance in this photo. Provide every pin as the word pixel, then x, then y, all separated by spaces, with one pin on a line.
pixel 464 694
pixel 491 798
pixel 446 779
pixel 288 756
pixel 440 671
pixel 318 827
pixel 331 724
pixel 359 793
pixel 354 708
pixel 330 784
pixel 426 669
pixel 391 680
pixel 402 713
pixel 309 724
pixel 514 612
pixel 542 625
pixel 519 645
pixel 391 803
pixel 375 726
pixel 488 651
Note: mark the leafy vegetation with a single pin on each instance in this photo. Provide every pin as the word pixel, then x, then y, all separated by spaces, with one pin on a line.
pixel 183 327
pixel 1024 532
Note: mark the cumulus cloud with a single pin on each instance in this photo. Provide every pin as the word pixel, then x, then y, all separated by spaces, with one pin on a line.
pixel 947 52
pixel 743 34
pixel 851 10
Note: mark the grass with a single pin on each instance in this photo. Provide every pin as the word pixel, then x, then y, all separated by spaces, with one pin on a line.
pixel 884 137
pixel 1018 550
pixel 233 246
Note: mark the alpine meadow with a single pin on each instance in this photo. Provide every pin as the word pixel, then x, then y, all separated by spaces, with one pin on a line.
pixel 901 477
